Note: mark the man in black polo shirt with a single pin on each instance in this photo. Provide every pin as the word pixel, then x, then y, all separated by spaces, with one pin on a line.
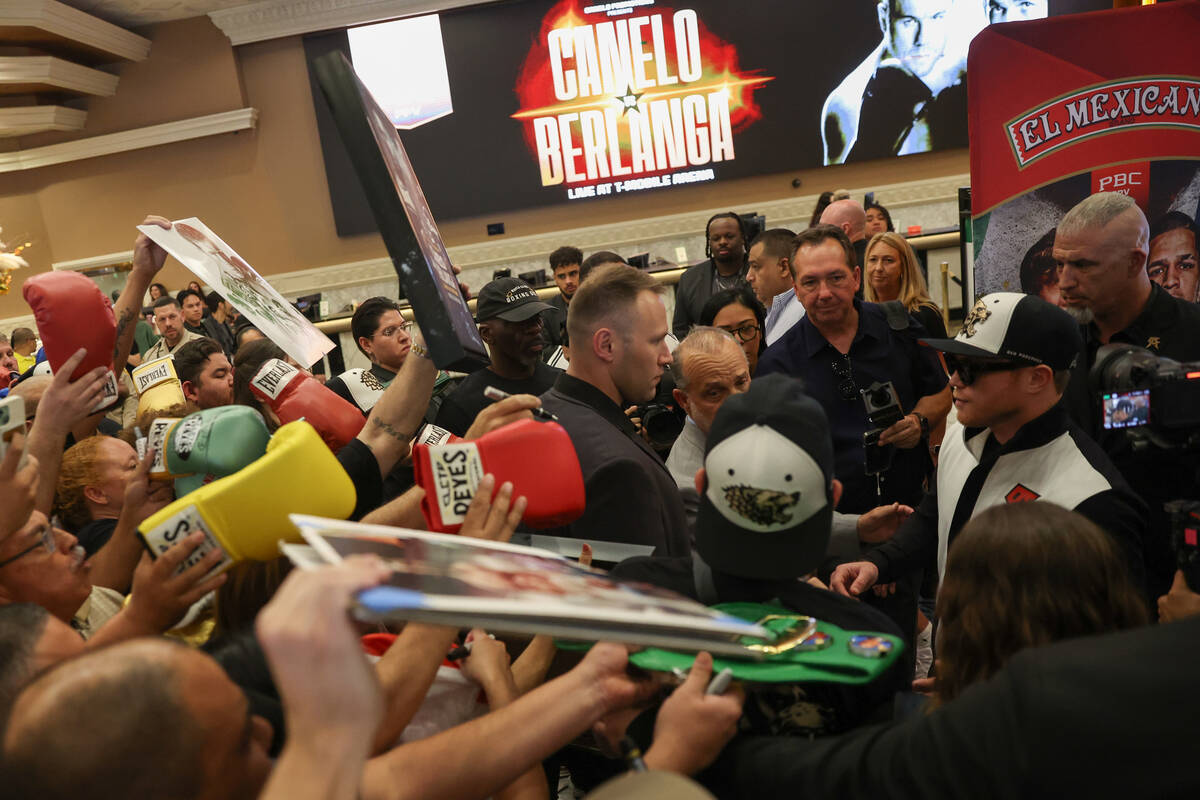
pixel 1101 247
pixel 618 331
pixel 510 322
pixel 842 346
pixel 767 494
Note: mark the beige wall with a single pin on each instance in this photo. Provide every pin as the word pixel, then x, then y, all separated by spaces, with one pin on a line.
pixel 264 190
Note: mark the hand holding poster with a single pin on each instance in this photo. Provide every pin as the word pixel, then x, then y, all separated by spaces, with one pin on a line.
pixel 210 259
pixel 404 219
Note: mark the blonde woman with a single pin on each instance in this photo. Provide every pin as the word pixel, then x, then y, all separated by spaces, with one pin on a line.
pixel 891 273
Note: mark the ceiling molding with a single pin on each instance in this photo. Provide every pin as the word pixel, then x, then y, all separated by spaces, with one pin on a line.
pixel 25 120
pixel 55 73
pixel 93 262
pixel 136 139
pixel 57 19
pixel 274 19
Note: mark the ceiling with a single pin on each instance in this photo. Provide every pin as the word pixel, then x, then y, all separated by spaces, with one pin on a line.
pixel 132 13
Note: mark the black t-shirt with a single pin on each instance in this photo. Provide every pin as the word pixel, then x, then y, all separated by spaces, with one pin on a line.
pixel 95 534
pixel 363 468
pixel 460 408
pixel 790 709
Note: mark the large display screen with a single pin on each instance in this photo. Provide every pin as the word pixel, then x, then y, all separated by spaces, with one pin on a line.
pixel 534 102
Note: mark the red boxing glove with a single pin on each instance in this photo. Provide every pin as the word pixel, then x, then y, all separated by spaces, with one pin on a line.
pixel 71 313
pixel 294 395
pixel 536 457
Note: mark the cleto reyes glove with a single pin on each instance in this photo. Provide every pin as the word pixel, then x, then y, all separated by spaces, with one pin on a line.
pixel 246 514
pixel 213 443
pixel 294 395
pixel 71 312
pixel 536 457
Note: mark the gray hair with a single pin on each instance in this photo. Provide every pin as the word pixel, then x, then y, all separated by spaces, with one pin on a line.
pixel 704 339
pixel 1098 210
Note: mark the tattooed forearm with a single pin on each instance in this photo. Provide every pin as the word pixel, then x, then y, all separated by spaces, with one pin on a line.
pixel 392 431
pixel 123 321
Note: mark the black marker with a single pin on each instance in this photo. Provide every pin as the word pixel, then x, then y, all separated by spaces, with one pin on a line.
pixel 492 393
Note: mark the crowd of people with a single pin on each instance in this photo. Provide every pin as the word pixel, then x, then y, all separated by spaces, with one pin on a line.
pixel 834 451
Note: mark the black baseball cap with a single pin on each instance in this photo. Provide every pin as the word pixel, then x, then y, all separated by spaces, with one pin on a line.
pixel 767 506
pixel 1017 327
pixel 510 299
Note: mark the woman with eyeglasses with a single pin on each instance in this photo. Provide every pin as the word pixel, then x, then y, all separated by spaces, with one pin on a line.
pixel 738 311
pixel 892 273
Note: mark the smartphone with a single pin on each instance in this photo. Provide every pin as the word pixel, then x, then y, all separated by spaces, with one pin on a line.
pixel 12 419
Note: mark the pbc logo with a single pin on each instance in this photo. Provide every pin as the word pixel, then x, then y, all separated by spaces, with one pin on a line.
pixel 1021 494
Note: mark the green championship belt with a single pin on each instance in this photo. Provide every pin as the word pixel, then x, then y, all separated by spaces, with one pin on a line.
pixel 804 650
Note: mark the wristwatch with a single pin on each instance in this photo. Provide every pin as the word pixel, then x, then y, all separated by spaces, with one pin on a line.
pixel 419 351
pixel 924 423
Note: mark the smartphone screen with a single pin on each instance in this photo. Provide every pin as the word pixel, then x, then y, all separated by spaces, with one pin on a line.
pixel 1126 409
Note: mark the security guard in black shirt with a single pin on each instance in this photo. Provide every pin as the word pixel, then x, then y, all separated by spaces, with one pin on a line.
pixel 1101 247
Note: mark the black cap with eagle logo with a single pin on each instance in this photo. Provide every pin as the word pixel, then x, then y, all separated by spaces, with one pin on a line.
pixel 1016 327
pixel 767 506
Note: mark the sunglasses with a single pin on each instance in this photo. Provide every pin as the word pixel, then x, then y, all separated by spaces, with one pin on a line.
pixel 846 387
pixel 45 540
pixel 969 369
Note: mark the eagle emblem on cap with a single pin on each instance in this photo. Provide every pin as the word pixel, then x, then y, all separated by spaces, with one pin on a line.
pixel 979 312
pixel 761 506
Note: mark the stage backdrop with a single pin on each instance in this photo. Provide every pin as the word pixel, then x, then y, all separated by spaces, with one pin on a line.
pixel 536 102
pixel 1062 108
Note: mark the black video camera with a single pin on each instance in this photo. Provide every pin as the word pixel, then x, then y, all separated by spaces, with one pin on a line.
pixel 1185 537
pixel 661 418
pixel 1155 400
pixel 883 410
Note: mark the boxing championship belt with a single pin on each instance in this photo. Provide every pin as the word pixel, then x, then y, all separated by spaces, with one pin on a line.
pixel 245 514
pixel 213 443
pixel 71 312
pixel 293 394
pixel 536 457
pixel 157 385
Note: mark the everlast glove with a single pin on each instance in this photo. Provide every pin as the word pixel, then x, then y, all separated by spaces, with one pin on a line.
pixel 246 514
pixel 71 313
pixel 294 395
pixel 157 386
pixel 213 443
pixel 536 457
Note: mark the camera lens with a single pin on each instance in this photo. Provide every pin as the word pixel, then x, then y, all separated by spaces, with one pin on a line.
pixel 879 397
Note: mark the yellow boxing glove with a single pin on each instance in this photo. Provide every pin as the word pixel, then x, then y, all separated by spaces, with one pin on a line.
pixel 157 386
pixel 246 514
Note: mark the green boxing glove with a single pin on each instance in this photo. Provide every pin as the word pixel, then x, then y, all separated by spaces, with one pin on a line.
pixel 213 443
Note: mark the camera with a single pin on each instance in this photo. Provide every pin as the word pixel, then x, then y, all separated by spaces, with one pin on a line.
pixel 883 404
pixel 662 419
pixel 1155 400
pixel 1185 537
pixel 883 410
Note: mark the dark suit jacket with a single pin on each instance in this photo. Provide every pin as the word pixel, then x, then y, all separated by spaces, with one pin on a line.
pixel 693 291
pixel 631 497
pixel 553 322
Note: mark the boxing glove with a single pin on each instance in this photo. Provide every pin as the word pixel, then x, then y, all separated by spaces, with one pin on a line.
pixel 245 514
pixel 294 395
pixel 158 387
pixel 536 457
pixel 213 443
pixel 71 312
pixel 431 434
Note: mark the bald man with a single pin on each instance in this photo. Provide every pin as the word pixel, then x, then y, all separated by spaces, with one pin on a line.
pixel 852 219
pixel 1101 249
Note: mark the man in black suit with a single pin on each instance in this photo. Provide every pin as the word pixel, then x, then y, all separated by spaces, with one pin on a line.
pixel 725 247
pixel 618 329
